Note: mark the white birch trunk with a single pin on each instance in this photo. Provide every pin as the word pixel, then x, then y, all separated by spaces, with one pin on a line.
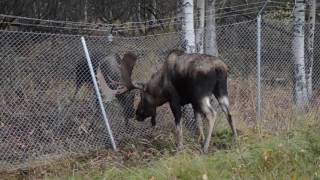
pixel 178 25
pixel 310 45
pixel 188 27
pixel 300 89
pixel 154 7
pixel 139 20
pixel 85 11
pixel 200 26
pixel 139 12
pixel 210 33
pixel 185 11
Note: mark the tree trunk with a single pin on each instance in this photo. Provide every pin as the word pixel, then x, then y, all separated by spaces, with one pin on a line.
pixel 139 12
pixel 85 11
pixel 179 19
pixel 210 33
pixel 310 44
pixel 200 25
pixel 154 11
pixel 187 36
pixel 300 89
pixel 188 26
pixel 139 20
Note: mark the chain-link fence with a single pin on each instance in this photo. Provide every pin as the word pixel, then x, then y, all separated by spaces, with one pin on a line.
pixel 49 107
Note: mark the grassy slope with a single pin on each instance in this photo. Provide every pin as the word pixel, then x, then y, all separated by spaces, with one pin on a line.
pixel 292 155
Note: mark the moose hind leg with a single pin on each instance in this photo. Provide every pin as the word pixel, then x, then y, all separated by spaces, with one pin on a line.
pixel 200 127
pixel 224 104
pixel 210 115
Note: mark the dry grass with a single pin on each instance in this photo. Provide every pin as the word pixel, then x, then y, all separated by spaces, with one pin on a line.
pixel 155 155
pixel 278 109
pixel 279 114
pixel 138 151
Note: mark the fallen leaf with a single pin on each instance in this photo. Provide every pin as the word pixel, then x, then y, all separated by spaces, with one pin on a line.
pixel 204 177
pixel 267 155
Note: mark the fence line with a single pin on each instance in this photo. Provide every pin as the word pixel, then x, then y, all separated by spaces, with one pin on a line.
pixel 49 106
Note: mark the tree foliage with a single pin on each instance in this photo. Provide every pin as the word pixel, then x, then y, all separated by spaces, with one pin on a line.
pixel 119 12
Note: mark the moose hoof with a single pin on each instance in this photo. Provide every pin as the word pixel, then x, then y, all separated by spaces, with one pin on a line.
pixel 234 140
pixel 201 141
pixel 205 149
pixel 179 147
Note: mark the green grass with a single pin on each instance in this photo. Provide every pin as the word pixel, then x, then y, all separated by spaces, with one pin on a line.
pixel 290 155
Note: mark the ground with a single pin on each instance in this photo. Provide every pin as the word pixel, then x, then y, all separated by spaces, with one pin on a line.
pixel 258 154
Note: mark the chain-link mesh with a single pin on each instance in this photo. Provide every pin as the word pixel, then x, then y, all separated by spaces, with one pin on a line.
pixel 49 107
pixel 41 114
pixel 278 98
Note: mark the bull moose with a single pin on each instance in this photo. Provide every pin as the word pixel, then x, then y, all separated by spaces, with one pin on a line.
pixel 184 78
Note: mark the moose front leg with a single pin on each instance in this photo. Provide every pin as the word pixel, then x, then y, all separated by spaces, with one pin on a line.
pixel 153 121
pixel 176 110
pixel 174 101
pixel 179 136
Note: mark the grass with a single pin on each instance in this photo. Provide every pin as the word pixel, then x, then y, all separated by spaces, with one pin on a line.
pixel 282 148
pixel 293 154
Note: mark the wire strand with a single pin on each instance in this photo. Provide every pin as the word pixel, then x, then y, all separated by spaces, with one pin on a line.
pixel 170 33
pixel 121 29
pixel 109 25
pixel 278 2
pixel 48 26
pixel 175 23
pixel 134 25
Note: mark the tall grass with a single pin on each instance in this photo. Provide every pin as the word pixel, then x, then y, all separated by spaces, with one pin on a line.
pixel 293 154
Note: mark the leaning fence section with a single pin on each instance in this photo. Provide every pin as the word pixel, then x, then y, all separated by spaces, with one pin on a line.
pixel 49 107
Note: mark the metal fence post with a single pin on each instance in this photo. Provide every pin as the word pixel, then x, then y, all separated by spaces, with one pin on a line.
pixel 258 83
pixel 104 114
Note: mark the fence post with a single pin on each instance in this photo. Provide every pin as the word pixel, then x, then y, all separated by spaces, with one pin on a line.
pixel 258 78
pixel 104 114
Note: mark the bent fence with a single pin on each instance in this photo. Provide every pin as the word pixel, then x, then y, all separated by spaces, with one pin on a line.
pixel 49 107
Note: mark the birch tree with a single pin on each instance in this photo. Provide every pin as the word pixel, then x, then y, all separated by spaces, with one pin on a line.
pixel 210 33
pixel 185 14
pixel 139 20
pixel 85 11
pixel 200 26
pixel 179 18
pixel 300 89
pixel 154 11
pixel 311 4
pixel 188 26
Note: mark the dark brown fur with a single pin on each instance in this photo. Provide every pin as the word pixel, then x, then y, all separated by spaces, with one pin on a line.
pixel 183 79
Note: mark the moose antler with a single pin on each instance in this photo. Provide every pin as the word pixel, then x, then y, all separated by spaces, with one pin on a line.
pixel 125 84
pixel 107 92
pixel 126 67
